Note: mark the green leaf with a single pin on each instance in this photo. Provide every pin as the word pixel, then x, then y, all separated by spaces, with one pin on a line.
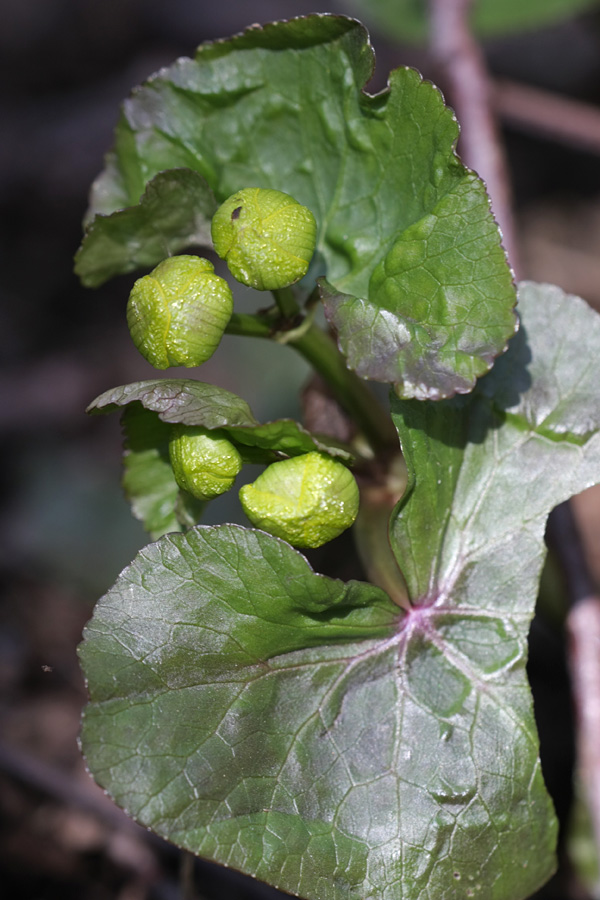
pixel 436 311
pixel 283 107
pixel 407 20
pixel 295 728
pixel 181 400
pixel 487 469
pixel 311 734
pixel 174 212
pixel 190 402
pixel 148 479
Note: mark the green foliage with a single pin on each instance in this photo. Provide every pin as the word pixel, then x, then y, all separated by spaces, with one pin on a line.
pixel 312 733
pixel 283 107
pixel 174 211
pixel 309 732
pixel 188 402
pixel 407 20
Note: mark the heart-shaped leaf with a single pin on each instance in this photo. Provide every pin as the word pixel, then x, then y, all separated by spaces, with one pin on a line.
pixel 403 227
pixel 310 733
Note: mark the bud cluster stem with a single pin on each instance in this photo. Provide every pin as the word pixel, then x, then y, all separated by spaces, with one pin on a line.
pixel 351 392
pixel 320 351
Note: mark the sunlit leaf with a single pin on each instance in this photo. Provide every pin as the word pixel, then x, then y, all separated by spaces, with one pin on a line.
pixel 190 402
pixel 312 734
pixel 174 212
pixel 404 229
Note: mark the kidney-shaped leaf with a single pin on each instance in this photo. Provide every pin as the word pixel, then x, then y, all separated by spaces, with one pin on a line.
pixel 404 229
pixel 309 732
pixel 297 729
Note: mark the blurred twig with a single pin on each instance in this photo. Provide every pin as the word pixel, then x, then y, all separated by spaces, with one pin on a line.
pixel 544 113
pixel 461 64
pixel 62 786
pixel 583 628
pixel 459 57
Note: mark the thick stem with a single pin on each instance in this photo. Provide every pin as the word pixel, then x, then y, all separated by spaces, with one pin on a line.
pixel 350 391
pixel 286 301
pixel 382 484
pixel 248 325
pixel 462 68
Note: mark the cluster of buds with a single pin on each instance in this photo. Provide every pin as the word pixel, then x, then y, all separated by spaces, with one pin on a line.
pixel 177 316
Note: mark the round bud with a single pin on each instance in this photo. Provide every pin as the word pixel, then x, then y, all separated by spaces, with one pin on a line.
pixel 177 314
pixel 204 462
pixel 266 237
pixel 307 500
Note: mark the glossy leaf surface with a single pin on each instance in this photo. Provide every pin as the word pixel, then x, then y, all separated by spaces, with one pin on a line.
pixel 436 310
pixel 407 20
pixel 309 732
pixel 190 402
pixel 398 216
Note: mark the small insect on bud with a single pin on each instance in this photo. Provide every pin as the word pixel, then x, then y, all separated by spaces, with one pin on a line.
pixel 307 500
pixel 177 314
pixel 266 237
pixel 204 462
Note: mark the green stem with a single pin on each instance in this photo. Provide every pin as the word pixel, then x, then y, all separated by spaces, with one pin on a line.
pixel 286 301
pixel 319 350
pixel 351 392
pixel 382 483
pixel 251 325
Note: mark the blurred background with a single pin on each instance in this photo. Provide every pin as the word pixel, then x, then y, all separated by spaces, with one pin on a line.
pixel 65 530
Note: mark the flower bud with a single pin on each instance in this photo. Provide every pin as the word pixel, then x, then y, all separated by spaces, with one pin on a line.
pixel 307 500
pixel 177 314
pixel 204 462
pixel 266 237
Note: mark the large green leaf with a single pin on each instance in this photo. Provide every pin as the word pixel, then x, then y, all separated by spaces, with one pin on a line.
pixel 310 733
pixel 283 106
pixel 190 402
pixel 488 468
pixel 436 313
pixel 408 19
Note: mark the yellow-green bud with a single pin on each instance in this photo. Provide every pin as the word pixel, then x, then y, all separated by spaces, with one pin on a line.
pixel 266 237
pixel 204 462
pixel 177 314
pixel 307 500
